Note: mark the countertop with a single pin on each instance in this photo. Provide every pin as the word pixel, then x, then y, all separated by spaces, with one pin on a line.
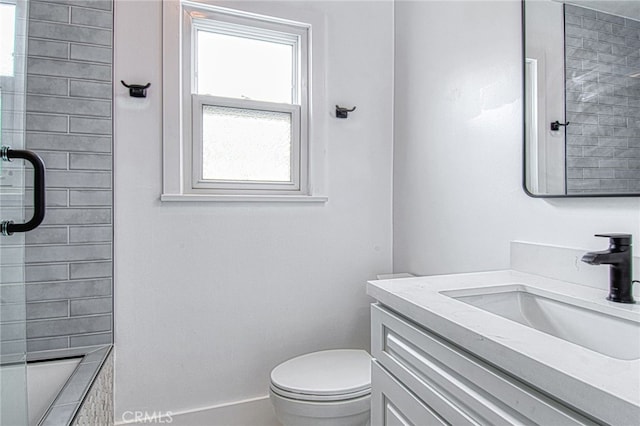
pixel 601 386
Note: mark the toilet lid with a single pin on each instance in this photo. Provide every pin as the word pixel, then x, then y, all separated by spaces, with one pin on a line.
pixel 325 373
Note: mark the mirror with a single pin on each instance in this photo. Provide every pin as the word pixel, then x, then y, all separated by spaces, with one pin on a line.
pixel 581 98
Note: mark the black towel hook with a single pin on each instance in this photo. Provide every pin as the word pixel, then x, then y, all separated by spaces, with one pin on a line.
pixel 556 125
pixel 342 112
pixel 136 90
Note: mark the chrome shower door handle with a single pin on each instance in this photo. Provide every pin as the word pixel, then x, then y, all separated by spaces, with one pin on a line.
pixel 7 227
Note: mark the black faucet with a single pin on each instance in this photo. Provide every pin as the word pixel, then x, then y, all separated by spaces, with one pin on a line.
pixel 618 256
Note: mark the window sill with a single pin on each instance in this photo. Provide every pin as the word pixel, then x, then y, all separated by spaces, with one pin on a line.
pixel 244 198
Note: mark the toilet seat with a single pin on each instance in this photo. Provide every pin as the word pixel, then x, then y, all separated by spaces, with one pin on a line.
pixel 310 397
pixel 334 375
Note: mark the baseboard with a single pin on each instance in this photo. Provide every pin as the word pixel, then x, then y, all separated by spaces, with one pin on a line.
pixel 248 412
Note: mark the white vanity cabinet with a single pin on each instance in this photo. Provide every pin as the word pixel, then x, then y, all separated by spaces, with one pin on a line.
pixel 420 378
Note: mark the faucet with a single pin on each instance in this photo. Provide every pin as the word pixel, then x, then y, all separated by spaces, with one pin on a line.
pixel 618 256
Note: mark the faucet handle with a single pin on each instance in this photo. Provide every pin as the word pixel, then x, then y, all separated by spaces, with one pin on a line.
pixel 617 240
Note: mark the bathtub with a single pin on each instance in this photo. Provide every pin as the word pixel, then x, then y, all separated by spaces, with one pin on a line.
pixel 58 383
pixel 45 380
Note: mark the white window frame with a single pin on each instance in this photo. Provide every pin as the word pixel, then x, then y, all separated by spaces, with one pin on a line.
pixel 181 142
pixel 256 187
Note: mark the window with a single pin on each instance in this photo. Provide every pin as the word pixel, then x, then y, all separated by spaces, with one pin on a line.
pixel 242 84
pixel 7 38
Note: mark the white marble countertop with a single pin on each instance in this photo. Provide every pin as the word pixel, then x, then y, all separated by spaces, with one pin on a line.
pixel 601 386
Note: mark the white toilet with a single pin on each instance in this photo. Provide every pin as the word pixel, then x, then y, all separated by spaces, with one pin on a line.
pixel 326 388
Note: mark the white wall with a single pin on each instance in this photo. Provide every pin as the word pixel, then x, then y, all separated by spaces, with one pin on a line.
pixel 210 296
pixel 458 146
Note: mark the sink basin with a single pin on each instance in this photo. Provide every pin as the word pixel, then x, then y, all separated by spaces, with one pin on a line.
pixel 600 328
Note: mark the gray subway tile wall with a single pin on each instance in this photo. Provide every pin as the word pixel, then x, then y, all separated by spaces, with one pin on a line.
pixel 602 102
pixel 69 266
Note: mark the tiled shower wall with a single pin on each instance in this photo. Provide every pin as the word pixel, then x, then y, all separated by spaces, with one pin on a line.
pixel 602 101
pixel 69 91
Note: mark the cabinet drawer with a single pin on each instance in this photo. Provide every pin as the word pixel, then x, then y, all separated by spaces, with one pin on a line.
pixel 435 370
pixel 392 404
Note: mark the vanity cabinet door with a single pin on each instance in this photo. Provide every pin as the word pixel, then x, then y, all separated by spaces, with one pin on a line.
pixel 435 370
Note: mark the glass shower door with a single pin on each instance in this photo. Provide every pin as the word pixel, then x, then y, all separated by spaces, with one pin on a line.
pixel 13 350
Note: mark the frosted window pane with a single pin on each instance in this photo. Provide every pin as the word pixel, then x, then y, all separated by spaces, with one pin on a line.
pixel 243 68
pixel 245 144
pixel 7 38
